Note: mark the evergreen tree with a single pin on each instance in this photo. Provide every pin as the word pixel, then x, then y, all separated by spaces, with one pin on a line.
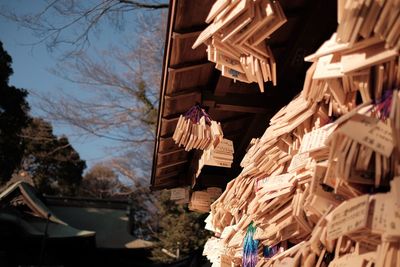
pixel 13 118
pixel 53 164
pixel 29 145
pixel 178 228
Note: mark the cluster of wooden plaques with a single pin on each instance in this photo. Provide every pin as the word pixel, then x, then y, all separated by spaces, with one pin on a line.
pixel 365 18
pixel 235 39
pixel 199 201
pixel 197 134
pixel 322 185
pixel 220 156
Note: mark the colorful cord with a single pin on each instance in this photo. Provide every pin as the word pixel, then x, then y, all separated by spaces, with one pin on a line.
pixel 250 248
pixel 196 112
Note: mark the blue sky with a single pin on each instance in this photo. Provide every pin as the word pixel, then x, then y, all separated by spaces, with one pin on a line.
pixel 31 66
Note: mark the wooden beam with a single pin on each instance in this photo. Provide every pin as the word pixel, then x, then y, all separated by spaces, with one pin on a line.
pixel 172 157
pixel 169 169
pixel 191 76
pixel 189 67
pixel 173 152
pixel 244 109
pixel 166 144
pixel 176 35
pixel 169 180
pixel 222 86
pixel 212 180
pixel 172 164
pixel 180 103
pixel 168 125
pixel 251 103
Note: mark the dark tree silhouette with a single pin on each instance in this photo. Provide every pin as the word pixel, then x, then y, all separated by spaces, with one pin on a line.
pixel 13 118
pixel 51 161
pixel 28 144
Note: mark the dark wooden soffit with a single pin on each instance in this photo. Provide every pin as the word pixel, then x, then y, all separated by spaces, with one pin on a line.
pixel 243 111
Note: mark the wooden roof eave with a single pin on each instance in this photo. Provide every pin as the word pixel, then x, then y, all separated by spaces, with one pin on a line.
pixel 169 31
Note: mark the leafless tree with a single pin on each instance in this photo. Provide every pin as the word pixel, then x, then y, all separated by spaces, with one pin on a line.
pixel 72 22
pixel 119 95
pixel 101 181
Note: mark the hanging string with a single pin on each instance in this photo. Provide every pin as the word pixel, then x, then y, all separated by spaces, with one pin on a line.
pixel 250 247
pixel 196 112
pixel 382 107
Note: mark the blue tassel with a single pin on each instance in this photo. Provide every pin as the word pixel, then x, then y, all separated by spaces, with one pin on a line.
pixel 250 248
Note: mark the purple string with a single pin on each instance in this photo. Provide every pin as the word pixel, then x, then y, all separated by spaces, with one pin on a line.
pixel 382 106
pixel 195 113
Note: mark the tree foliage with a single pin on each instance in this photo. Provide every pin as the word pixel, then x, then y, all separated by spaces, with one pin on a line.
pixel 51 161
pixel 178 228
pixel 13 118
pixel 28 144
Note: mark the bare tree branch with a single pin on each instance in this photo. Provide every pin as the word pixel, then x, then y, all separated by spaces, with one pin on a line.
pixel 76 20
pixel 58 148
pixel 144 5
